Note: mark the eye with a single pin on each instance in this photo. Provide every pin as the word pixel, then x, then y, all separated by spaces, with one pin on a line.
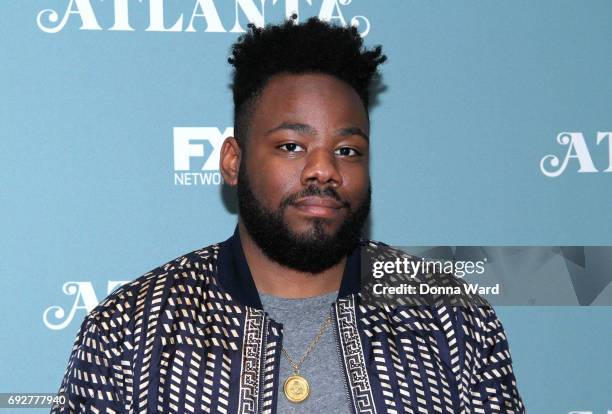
pixel 291 147
pixel 347 152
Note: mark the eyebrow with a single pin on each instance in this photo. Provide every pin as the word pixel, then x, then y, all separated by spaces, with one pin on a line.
pixel 347 132
pixel 297 127
pixel 308 130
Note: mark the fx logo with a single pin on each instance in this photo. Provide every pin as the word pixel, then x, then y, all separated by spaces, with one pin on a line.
pixel 196 155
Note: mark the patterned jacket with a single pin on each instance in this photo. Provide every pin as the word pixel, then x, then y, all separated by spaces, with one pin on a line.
pixel 191 337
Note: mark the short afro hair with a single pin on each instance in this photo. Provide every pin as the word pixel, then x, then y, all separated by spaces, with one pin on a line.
pixel 314 46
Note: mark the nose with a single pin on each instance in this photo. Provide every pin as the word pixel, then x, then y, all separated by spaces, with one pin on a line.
pixel 321 167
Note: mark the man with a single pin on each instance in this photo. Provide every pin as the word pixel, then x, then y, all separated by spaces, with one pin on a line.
pixel 272 319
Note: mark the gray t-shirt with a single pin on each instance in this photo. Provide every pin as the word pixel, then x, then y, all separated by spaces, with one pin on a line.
pixel 302 320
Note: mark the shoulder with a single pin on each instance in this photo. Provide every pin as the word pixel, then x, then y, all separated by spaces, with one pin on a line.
pixel 420 283
pixel 382 249
pixel 120 313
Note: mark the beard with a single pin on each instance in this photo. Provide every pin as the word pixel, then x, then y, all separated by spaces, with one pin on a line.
pixel 312 251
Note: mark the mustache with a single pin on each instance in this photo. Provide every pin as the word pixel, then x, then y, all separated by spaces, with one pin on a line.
pixel 315 191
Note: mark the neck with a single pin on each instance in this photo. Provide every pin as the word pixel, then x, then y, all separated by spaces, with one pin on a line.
pixel 272 278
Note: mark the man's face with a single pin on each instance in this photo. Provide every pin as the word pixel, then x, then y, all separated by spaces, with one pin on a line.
pixel 303 185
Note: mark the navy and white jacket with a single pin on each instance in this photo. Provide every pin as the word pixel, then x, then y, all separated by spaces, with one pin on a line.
pixel 191 337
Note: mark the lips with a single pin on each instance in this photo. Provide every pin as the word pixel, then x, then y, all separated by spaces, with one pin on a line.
pixel 318 202
pixel 318 206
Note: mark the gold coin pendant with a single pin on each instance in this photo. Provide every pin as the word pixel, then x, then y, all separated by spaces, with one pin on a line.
pixel 296 388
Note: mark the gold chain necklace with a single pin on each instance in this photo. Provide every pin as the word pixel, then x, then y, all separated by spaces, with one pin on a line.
pixel 296 387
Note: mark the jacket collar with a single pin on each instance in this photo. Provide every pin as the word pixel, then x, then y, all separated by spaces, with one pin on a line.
pixel 236 279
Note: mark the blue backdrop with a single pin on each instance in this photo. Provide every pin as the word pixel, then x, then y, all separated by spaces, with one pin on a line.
pixel 101 182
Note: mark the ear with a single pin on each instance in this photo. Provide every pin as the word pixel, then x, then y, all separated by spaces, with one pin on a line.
pixel 230 161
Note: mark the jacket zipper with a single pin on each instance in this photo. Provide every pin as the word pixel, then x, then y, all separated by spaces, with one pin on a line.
pixel 342 364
